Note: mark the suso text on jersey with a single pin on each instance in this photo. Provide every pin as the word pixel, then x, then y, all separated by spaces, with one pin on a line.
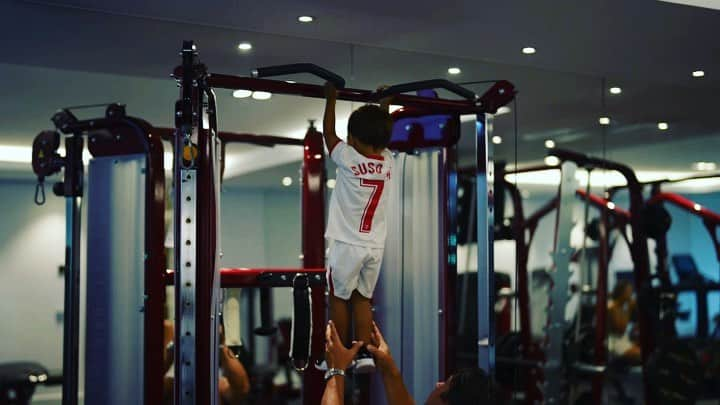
pixel 367 168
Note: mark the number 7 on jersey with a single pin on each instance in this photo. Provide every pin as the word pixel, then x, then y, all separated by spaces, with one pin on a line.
pixel 377 189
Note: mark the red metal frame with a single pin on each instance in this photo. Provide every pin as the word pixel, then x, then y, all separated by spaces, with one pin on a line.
pixel 605 205
pixel 313 247
pixel 688 205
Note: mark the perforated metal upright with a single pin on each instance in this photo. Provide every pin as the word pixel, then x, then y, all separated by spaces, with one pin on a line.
pixel 196 179
pixel 554 387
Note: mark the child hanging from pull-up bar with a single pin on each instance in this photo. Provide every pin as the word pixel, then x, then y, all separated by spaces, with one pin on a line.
pixel 356 226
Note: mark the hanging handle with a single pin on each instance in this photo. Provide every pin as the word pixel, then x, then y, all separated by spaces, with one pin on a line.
pixel 295 68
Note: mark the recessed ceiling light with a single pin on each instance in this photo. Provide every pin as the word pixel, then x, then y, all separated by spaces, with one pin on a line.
pixel 529 50
pixel 662 126
pixel 496 140
pixel 611 205
pixel 245 46
pixel 306 19
pixel 331 183
pixel 552 160
pixel 615 90
pixel 454 70
pixel 503 110
pixel 549 144
pixel 704 166
pixel 290 81
pixel 242 93
pixel 287 181
pixel 261 95
pixel 697 207
pixel 604 120
pixel 698 73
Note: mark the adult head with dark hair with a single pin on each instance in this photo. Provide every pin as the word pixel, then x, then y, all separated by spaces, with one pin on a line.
pixel 371 126
pixel 467 386
pixel 623 291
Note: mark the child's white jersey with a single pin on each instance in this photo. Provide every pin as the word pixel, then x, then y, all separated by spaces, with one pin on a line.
pixel 357 205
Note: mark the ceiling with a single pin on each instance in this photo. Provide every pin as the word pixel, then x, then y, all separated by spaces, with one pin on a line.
pixel 61 53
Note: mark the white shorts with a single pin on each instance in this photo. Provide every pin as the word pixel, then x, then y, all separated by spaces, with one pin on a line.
pixel 353 267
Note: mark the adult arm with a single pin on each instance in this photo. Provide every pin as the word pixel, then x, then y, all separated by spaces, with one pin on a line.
pixel 339 357
pixel 238 381
pixel 334 390
pixel 395 390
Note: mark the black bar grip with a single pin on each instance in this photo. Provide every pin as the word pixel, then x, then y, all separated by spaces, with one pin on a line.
pixel 426 85
pixel 296 68
pixel 301 330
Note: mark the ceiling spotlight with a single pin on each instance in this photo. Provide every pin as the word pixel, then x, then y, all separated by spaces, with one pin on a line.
pixel 454 70
pixel 697 207
pixel 306 19
pixel 549 144
pixel 331 183
pixel 611 205
pixel 242 93
pixel 244 46
pixel 528 50
pixel 503 110
pixel 552 160
pixel 704 166
pixel 604 120
pixel 615 90
pixel 496 140
pixel 261 95
pixel 698 73
pixel 662 126
pixel 287 181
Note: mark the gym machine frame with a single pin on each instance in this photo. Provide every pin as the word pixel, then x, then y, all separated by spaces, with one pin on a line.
pixel 523 230
pixel 195 349
pixel 638 248
pixel 113 135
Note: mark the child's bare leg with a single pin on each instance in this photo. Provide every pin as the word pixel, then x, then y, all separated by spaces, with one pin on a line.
pixel 362 315
pixel 340 315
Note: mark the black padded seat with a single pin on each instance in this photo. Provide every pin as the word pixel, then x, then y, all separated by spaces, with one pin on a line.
pixel 18 380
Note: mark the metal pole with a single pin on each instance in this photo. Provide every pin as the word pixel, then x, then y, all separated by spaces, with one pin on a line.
pixel 71 326
pixel 484 178
pixel 72 189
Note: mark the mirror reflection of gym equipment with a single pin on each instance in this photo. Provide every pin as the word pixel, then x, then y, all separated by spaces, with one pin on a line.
pixel 551 221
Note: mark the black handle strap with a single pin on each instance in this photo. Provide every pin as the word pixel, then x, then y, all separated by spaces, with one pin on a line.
pixel 301 329
pixel 295 68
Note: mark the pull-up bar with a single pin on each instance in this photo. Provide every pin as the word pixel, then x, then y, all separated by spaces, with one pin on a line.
pixel 235 137
pixel 501 93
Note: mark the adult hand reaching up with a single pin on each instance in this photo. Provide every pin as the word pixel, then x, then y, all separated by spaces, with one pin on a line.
pixel 380 350
pixel 338 356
